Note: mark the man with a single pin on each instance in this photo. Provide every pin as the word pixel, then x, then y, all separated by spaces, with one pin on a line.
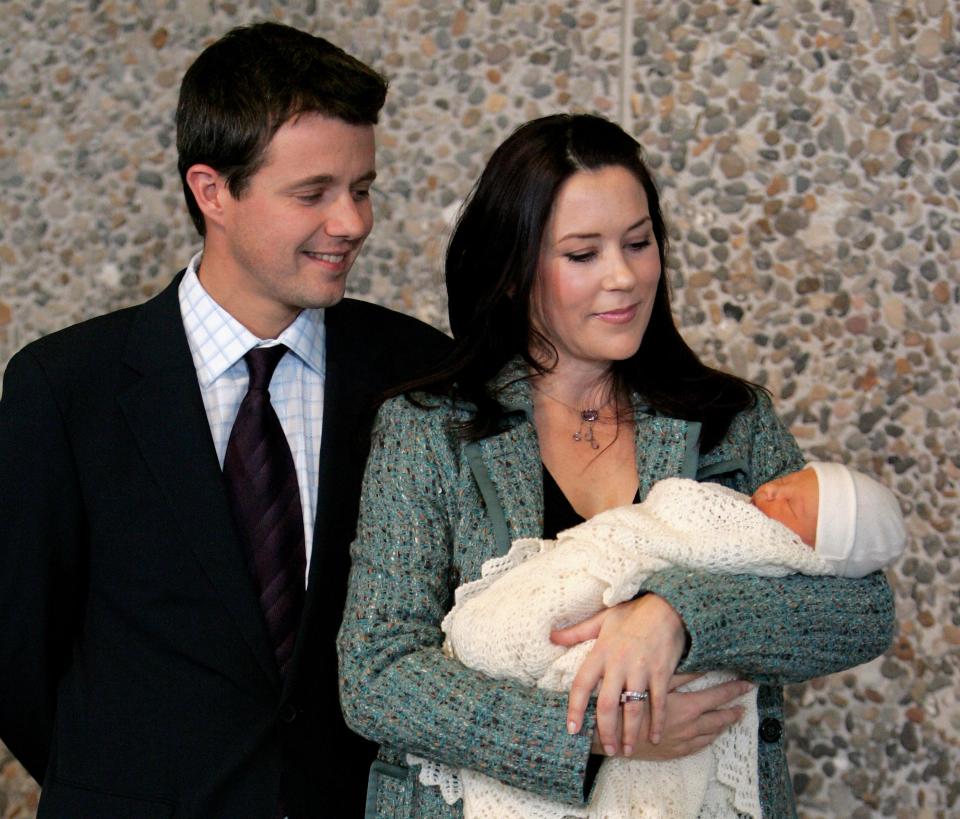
pixel 159 654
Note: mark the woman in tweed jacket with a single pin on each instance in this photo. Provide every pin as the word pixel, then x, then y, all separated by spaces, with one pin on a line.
pixel 565 340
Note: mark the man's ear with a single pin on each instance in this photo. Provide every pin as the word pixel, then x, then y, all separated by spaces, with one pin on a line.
pixel 209 188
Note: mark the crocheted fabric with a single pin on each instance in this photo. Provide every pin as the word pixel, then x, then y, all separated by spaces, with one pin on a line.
pixel 501 623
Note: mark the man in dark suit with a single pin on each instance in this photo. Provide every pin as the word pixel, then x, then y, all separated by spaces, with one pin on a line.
pixel 141 671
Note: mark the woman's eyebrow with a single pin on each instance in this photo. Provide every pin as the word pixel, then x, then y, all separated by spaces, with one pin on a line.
pixel 634 226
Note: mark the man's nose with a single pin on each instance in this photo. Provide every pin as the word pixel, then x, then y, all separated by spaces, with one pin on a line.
pixel 348 218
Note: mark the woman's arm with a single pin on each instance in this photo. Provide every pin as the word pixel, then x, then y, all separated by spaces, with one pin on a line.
pixel 397 687
pixel 776 630
pixel 772 630
pixel 779 630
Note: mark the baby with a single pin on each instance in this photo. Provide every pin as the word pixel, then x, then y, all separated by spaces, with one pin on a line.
pixel 852 521
pixel 501 623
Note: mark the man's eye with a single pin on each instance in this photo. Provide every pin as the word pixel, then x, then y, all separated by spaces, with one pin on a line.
pixel 310 198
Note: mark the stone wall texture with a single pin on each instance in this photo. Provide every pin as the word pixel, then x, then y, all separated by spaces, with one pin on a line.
pixel 807 151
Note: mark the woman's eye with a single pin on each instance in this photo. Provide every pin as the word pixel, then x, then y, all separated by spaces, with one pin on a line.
pixel 581 257
pixel 641 245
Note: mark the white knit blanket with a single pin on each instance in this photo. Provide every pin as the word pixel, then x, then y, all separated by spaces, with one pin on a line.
pixel 501 623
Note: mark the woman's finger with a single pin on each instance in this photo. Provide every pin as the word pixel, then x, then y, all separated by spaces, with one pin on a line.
pixel 714 723
pixel 717 696
pixel 659 688
pixel 608 714
pixel 698 743
pixel 678 680
pixel 583 686
pixel 581 632
pixel 634 719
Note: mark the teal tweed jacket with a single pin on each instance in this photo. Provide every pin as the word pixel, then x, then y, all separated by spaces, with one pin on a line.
pixel 434 508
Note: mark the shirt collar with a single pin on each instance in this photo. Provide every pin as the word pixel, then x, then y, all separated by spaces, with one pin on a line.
pixel 218 340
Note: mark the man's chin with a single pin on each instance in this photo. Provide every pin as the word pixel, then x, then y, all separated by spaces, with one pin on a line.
pixel 325 297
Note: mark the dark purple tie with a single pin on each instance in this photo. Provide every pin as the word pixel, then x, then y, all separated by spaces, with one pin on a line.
pixel 262 485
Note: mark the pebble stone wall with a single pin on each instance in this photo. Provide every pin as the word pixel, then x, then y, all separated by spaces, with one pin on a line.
pixel 808 155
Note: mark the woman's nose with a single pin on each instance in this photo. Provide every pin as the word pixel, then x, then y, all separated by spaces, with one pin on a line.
pixel 619 274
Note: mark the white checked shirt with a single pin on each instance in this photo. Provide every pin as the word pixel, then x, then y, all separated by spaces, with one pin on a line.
pixel 218 343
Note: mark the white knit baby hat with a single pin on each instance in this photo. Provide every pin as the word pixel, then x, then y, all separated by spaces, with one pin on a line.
pixel 856 509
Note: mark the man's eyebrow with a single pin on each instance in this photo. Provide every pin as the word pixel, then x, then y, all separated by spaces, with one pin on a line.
pixel 634 226
pixel 312 181
pixel 326 179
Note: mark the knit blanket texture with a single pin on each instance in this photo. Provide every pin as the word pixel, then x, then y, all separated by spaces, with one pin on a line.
pixel 500 625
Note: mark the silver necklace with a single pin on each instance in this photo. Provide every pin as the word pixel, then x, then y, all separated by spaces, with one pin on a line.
pixel 588 416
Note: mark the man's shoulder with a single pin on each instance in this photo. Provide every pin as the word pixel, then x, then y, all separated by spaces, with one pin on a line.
pixel 372 350
pixel 373 318
pixel 382 335
pixel 93 341
pixel 73 355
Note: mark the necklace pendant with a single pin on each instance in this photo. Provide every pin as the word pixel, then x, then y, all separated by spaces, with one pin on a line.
pixel 588 417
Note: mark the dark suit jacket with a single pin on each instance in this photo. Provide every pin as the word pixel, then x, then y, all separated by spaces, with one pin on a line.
pixel 136 675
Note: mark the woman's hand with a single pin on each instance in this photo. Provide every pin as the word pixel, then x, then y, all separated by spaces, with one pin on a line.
pixel 693 720
pixel 639 644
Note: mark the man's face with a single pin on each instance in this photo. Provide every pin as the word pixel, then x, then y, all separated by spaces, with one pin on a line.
pixel 289 239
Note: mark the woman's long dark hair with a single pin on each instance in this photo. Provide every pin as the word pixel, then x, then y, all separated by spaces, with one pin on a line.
pixel 491 267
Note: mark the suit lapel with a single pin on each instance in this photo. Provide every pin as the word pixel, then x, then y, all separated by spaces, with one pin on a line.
pixel 165 411
pixel 512 457
pixel 345 395
pixel 349 389
pixel 666 448
pixel 513 463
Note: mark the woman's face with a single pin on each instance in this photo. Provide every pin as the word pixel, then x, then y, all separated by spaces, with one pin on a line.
pixel 599 268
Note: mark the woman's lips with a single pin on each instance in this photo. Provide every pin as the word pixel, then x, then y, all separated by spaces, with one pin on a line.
pixel 622 315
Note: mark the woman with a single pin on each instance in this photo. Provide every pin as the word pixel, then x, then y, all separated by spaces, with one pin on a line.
pixel 570 392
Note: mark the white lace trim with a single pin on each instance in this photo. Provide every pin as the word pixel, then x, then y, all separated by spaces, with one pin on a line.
pixel 437 775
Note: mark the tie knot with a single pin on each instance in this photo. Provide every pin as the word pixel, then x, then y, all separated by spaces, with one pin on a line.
pixel 261 362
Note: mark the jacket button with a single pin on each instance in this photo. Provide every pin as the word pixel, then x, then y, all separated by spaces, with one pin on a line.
pixel 771 730
pixel 288 713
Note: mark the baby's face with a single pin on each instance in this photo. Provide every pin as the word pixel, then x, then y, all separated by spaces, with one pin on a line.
pixel 794 500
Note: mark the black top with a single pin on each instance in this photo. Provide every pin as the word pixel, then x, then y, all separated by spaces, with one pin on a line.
pixel 558 513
